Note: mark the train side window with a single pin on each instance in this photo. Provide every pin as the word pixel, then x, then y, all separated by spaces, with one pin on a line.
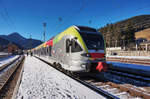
pixel 75 47
pixel 50 48
pixel 47 50
pixel 67 45
pixel 43 51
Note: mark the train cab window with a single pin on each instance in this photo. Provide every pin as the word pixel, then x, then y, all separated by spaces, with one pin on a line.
pixel 67 45
pixel 75 47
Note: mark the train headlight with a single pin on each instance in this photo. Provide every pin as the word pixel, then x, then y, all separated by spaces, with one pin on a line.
pixel 86 55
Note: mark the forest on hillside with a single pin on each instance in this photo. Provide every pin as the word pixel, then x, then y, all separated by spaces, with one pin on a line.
pixel 123 33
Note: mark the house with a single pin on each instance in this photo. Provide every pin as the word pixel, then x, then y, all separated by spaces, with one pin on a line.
pixel 13 48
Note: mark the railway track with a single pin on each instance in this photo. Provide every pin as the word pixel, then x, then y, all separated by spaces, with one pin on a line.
pixel 110 88
pixel 105 86
pixel 134 85
pixel 129 75
pixel 8 69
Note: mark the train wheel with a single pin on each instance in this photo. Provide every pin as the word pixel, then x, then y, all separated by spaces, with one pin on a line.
pixel 54 64
pixel 68 72
pixel 59 67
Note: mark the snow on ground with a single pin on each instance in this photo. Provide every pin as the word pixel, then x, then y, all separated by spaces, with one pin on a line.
pixel 8 59
pixel 136 57
pixel 3 53
pixel 40 81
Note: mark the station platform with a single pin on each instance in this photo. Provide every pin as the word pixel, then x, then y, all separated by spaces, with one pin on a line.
pixel 133 68
pixel 41 81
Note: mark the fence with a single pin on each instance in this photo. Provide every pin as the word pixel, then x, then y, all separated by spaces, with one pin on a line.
pixel 130 45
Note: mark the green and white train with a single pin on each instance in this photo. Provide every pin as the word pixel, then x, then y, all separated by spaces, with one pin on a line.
pixel 77 49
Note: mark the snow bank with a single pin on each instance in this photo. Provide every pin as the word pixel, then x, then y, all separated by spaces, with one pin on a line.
pixel 3 53
pixel 8 59
pixel 40 81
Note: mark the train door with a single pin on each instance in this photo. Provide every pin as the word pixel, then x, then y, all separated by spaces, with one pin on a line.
pixel 67 51
pixel 75 51
pixel 75 54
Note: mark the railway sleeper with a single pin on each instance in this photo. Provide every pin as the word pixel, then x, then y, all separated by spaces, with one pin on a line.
pixel 113 90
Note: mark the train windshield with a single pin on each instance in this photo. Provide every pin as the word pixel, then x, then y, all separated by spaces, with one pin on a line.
pixel 93 41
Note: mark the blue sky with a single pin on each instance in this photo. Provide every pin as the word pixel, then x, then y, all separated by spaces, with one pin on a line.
pixel 27 16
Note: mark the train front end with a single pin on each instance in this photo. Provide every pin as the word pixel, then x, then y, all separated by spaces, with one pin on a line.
pixel 94 53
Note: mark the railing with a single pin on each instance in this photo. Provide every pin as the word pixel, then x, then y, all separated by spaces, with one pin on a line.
pixel 128 53
pixel 129 45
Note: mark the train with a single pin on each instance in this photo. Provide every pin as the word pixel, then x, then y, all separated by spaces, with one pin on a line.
pixel 78 49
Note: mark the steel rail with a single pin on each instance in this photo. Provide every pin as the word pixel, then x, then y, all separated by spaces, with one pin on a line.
pixel 8 70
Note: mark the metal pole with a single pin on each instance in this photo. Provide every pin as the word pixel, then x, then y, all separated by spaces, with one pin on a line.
pixel 30 43
pixel 146 47
pixel 44 25
pixel 124 45
pixel 116 44
pixel 30 36
pixel 136 47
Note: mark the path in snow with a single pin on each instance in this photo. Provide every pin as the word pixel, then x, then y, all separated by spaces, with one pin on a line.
pixel 40 81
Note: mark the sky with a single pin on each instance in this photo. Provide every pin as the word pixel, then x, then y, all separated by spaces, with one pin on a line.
pixel 27 16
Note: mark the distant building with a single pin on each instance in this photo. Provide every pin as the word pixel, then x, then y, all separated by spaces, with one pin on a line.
pixel 145 45
pixel 13 48
pixel 140 40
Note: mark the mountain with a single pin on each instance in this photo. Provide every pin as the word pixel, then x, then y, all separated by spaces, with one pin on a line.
pixel 14 37
pixel 3 42
pixel 124 30
pixel 31 43
pixel 21 41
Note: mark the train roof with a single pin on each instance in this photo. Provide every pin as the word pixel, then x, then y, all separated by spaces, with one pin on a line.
pixel 75 28
pixel 85 28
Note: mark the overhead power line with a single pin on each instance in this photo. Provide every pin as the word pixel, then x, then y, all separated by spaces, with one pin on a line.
pixel 5 15
pixel 71 16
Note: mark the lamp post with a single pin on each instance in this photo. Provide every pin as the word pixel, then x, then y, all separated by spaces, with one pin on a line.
pixel 44 25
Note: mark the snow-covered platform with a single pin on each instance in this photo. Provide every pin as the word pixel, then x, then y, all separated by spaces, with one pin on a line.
pixel 40 81
pixel 129 57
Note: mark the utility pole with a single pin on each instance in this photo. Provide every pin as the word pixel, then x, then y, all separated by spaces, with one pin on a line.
pixel 30 42
pixel 30 36
pixel 44 25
